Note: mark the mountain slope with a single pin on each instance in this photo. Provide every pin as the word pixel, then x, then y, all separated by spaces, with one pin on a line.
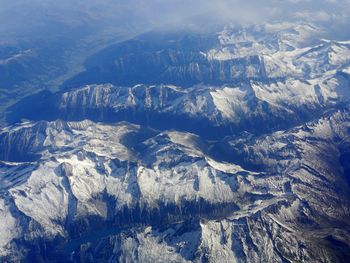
pixel 163 179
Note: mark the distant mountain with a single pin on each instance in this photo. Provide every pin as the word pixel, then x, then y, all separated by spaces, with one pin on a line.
pixel 257 90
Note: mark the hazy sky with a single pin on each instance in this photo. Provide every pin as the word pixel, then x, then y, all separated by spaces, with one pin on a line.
pixel 29 15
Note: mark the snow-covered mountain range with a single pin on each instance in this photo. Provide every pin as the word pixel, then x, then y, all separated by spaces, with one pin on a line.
pixel 233 147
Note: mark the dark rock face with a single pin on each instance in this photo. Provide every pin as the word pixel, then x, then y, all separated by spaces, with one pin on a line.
pixel 345 162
